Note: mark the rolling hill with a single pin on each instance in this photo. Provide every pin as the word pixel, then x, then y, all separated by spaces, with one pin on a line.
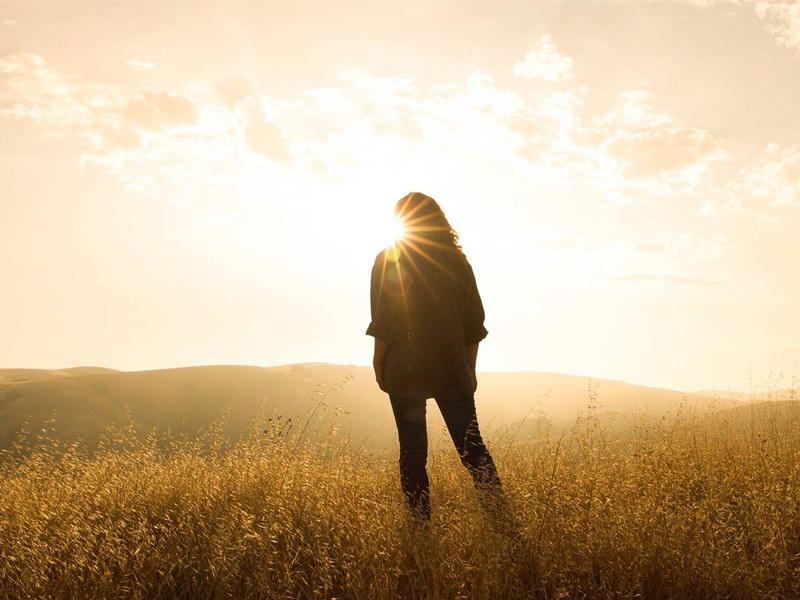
pixel 82 402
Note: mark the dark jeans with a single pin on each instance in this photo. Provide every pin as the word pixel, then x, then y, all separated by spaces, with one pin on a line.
pixel 462 423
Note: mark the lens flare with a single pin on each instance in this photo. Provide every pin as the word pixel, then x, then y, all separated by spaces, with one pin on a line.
pixel 397 231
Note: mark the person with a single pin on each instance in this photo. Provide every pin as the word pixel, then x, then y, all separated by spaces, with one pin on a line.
pixel 427 321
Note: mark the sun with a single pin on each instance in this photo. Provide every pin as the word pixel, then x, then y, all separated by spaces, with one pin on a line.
pixel 395 231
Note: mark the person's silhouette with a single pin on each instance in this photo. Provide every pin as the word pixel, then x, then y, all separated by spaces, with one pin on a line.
pixel 427 321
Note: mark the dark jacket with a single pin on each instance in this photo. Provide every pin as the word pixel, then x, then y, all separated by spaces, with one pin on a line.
pixel 428 313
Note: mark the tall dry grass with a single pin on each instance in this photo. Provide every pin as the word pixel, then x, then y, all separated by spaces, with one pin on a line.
pixel 694 507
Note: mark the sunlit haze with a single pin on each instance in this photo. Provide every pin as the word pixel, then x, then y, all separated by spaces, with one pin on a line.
pixel 209 183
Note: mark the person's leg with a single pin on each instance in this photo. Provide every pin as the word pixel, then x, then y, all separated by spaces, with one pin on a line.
pixel 409 415
pixel 462 423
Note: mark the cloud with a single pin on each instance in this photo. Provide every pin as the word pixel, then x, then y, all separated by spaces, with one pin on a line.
pixel 158 141
pixel 628 153
pixel 398 124
pixel 28 72
pixel 390 106
pixel 781 18
pixel 640 150
pixel 527 126
pixel 139 65
pixel 116 137
pixel 328 100
pixel 728 204
pixel 37 93
pixel 650 152
pixel 154 110
pixel 545 63
pixel 774 177
pixel 232 90
pixel 265 137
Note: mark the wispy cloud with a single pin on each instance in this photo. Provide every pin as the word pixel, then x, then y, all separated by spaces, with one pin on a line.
pixel 626 153
pixel 263 136
pixel 629 153
pixel 781 18
pixel 232 90
pixel 652 151
pixel 35 92
pixel 156 110
pixel 774 177
pixel 544 62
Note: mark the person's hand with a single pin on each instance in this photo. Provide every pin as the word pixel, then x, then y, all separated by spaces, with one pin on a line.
pixel 379 377
pixel 474 380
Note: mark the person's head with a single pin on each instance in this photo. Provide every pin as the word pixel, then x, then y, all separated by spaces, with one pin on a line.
pixel 427 230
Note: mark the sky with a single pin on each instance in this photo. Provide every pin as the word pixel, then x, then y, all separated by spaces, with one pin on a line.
pixel 209 183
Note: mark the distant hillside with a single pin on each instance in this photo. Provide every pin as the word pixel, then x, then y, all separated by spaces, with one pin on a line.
pixel 774 415
pixel 765 396
pixel 80 403
pixel 13 375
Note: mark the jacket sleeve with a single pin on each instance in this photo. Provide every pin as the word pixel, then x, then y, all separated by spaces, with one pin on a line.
pixel 380 326
pixel 473 315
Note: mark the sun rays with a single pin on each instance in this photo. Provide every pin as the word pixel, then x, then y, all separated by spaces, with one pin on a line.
pixel 418 242
pixel 422 236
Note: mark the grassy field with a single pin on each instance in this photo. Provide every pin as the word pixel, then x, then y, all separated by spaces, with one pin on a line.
pixel 701 506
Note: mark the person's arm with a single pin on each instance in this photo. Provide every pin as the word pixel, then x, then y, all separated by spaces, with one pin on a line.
pixel 379 354
pixel 474 331
pixel 380 326
pixel 472 353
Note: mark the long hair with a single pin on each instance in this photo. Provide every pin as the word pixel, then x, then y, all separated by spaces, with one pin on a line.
pixel 428 233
